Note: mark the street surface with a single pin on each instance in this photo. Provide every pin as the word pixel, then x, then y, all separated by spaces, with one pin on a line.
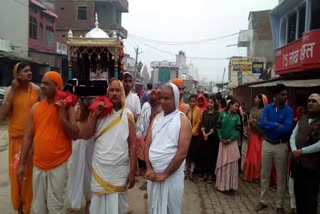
pixel 199 197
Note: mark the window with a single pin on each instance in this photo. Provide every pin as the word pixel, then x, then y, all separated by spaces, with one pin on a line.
pixel 315 15
pixel 118 18
pixel 82 13
pixel 292 25
pixel 283 32
pixel 49 36
pixel 50 19
pixel 33 9
pixel 163 75
pixel 41 34
pixel 33 28
pixel 302 20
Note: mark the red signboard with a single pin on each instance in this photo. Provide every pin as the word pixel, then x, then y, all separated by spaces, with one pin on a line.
pixel 300 55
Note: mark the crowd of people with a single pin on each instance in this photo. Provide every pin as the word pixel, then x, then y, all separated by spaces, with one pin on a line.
pixel 99 146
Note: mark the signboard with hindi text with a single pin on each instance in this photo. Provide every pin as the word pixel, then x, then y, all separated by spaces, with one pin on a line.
pixel 300 55
pixel 245 67
pixel 257 68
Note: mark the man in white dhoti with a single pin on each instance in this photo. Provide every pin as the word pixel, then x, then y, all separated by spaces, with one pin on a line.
pixel 80 163
pixel 114 155
pixel 166 149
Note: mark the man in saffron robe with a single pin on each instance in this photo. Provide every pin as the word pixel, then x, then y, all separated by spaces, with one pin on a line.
pixel 52 125
pixel 18 101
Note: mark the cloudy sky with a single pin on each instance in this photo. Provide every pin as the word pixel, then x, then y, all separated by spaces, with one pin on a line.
pixel 178 21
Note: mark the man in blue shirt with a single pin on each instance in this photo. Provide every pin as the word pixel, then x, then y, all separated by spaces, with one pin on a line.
pixel 276 121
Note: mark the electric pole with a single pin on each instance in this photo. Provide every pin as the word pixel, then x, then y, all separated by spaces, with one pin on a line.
pixel 224 71
pixel 136 66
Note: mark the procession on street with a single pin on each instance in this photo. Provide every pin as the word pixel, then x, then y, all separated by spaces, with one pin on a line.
pixel 92 129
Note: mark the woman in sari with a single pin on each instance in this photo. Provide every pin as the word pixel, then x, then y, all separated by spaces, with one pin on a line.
pixel 148 111
pixel 252 164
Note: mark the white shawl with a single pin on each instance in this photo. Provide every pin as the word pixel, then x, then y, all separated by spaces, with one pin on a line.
pixel 166 197
pixel 111 152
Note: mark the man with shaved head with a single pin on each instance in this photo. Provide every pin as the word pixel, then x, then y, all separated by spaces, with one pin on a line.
pixel 51 128
pixel 166 149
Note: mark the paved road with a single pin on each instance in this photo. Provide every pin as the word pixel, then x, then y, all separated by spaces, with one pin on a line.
pixel 199 197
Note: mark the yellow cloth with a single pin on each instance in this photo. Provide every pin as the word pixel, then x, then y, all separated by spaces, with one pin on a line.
pixel 196 120
pixel 15 70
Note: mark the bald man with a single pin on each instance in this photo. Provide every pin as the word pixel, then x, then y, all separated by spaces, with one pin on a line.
pixel 183 107
pixel 51 128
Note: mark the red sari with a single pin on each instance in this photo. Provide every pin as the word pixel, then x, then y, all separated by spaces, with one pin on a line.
pixel 252 164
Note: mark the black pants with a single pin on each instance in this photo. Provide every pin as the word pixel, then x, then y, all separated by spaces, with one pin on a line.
pixel 306 189
pixel 209 153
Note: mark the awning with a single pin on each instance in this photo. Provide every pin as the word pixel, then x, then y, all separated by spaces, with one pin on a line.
pixel 35 2
pixel 290 83
pixel 285 6
pixel 14 57
pixel 90 42
pixel 50 13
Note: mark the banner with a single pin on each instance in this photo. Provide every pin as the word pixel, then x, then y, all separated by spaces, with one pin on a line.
pixel 300 55
pixel 235 67
pixel 244 66
pixel 257 68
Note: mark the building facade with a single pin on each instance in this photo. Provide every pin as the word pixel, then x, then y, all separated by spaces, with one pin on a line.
pixel 14 35
pixel 244 70
pixel 42 35
pixel 295 28
pixel 79 16
pixel 258 38
pixel 29 36
pixel 163 72
pixel 296 34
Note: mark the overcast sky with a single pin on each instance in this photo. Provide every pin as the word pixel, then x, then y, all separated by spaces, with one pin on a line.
pixel 189 20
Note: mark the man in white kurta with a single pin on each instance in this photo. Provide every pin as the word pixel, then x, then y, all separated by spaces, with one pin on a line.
pixel 114 158
pixel 132 99
pixel 166 149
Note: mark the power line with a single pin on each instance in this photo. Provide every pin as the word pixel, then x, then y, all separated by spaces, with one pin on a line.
pixel 192 42
pixel 174 54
